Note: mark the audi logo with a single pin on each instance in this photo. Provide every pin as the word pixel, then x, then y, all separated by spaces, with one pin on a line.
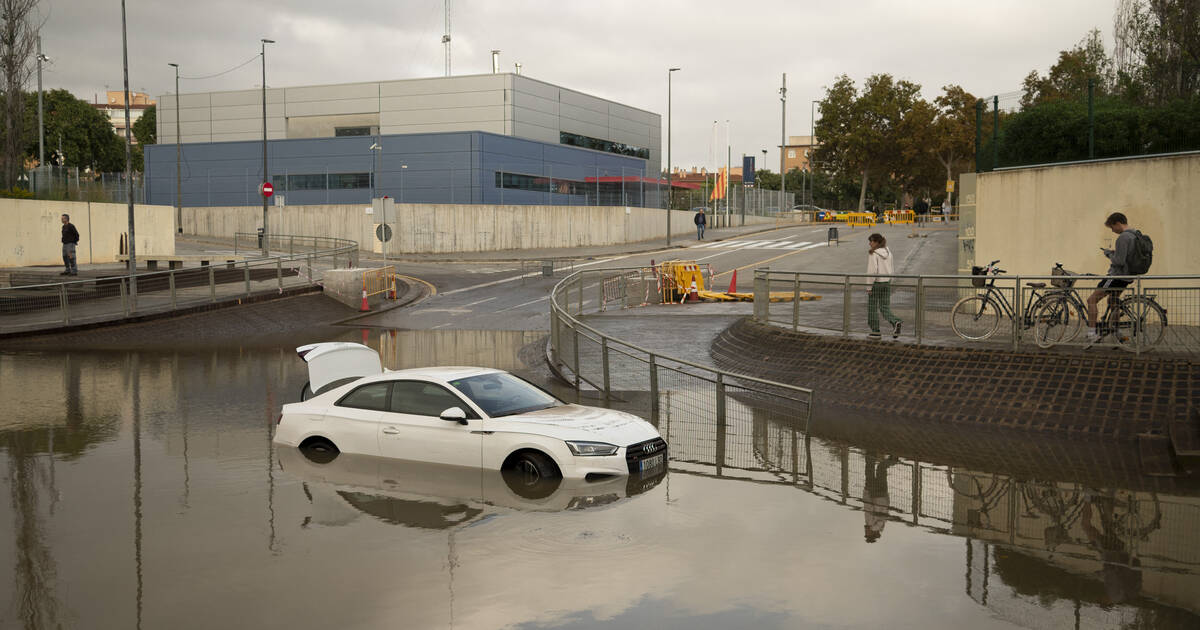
pixel 649 448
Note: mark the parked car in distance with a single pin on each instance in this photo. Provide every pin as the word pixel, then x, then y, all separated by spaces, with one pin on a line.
pixel 460 416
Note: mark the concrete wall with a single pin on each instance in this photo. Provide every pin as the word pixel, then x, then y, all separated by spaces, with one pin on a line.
pixel 32 233
pixel 445 228
pixel 1031 218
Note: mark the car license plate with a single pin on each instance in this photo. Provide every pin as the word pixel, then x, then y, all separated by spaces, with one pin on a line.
pixel 651 463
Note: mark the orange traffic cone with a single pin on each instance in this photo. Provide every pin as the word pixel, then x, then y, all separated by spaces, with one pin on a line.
pixel 364 302
pixel 733 283
pixel 692 295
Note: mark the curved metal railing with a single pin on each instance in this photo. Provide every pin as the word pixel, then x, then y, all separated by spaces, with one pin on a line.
pixel 300 262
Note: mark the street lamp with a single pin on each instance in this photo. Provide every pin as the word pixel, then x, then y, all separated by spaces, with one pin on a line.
pixel 375 150
pixel 812 148
pixel 266 174
pixel 669 188
pixel 132 242
pixel 41 128
pixel 178 158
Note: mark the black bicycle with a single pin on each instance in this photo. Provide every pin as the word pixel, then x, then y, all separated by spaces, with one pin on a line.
pixel 977 317
pixel 1136 323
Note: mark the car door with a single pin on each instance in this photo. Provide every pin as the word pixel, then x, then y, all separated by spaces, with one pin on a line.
pixel 412 428
pixel 353 421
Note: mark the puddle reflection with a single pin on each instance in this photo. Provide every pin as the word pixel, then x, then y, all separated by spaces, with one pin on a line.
pixel 130 474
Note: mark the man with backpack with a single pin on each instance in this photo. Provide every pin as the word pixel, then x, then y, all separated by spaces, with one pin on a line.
pixel 1130 256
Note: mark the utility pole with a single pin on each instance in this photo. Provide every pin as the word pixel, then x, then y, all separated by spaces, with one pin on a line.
pixel 669 173
pixel 41 127
pixel 129 169
pixel 728 177
pixel 266 174
pixel 178 157
pixel 782 141
pixel 446 38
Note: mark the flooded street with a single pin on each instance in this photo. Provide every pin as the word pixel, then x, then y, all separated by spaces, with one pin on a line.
pixel 144 492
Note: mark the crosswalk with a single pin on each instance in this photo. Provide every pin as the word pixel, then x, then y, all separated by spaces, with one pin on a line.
pixel 791 244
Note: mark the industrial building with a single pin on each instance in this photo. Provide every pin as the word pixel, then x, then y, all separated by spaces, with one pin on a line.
pixel 492 138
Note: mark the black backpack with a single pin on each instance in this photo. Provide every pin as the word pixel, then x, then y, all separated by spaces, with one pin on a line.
pixel 1141 255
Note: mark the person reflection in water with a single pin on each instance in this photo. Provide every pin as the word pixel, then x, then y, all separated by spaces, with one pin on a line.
pixel 875 496
pixel 1122 571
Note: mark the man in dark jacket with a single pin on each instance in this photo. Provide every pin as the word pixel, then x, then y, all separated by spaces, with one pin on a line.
pixel 70 238
pixel 701 221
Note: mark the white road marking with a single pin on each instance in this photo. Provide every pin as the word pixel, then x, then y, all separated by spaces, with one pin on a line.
pixel 545 297
pixel 481 301
pixel 528 275
pixel 814 245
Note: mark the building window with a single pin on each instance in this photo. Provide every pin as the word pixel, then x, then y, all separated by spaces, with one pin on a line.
pixel 351 131
pixel 791 154
pixel 349 180
pixel 518 181
pixel 320 181
pixel 596 144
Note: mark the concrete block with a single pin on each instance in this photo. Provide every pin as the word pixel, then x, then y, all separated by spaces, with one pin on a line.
pixel 345 286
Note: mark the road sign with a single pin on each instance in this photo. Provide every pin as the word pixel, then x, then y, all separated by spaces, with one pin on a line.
pixel 949 185
pixel 383 232
pixel 266 189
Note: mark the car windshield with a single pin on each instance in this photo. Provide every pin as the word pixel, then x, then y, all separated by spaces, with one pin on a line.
pixel 502 394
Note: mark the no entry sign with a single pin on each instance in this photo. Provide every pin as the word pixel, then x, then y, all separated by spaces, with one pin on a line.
pixel 266 189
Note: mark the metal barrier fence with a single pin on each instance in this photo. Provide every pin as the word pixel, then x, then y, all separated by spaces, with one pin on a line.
pixel 676 395
pixel 91 300
pixel 926 306
pixel 380 280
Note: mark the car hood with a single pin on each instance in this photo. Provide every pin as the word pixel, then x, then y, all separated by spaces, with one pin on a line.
pixel 578 422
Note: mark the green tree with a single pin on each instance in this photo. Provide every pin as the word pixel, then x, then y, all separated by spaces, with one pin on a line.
pixel 145 130
pixel 1158 49
pixel 954 130
pixel 862 133
pixel 84 133
pixel 1069 76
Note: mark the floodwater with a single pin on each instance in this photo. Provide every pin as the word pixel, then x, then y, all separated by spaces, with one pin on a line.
pixel 144 492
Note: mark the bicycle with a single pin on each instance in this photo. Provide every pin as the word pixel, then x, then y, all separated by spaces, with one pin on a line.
pixel 977 317
pixel 1136 322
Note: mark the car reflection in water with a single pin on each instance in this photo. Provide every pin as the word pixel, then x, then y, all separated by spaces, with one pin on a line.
pixel 435 496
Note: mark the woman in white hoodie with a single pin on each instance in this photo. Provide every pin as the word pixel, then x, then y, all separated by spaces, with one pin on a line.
pixel 879 299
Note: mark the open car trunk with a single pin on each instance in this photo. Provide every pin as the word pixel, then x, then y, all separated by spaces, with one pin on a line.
pixel 335 363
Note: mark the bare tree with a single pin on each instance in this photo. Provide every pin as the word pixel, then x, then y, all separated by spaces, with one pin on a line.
pixel 18 38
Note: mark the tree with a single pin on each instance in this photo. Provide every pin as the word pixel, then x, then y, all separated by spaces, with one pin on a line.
pixel 862 133
pixel 1158 49
pixel 86 136
pixel 18 39
pixel 1070 75
pixel 145 130
pixel 954 129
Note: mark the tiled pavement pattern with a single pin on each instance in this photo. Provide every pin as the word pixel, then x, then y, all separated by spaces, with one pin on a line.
pixel 1115 396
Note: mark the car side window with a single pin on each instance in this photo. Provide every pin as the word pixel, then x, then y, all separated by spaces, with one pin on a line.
pixel 372 396
pixel 425 399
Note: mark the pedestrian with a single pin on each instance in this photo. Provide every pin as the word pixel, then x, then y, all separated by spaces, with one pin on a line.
pixel 701 222
pixel 876 501
pixel 879 296
pixel 947 209
pixel 70 238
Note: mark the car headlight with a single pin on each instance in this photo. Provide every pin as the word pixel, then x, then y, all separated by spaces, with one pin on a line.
pixel 586 449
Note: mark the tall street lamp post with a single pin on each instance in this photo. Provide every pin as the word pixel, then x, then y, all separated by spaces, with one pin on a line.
pixel 178 157
pixel 669 172
pixel 132 242
pixel 812 149
pixel 375 150
pixel 266 173
pixel 41 127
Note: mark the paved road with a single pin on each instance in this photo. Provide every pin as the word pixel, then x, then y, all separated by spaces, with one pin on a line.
pixel 497 296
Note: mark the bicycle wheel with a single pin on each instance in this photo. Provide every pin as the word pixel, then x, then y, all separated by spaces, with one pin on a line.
pixel 1056 319
pixel 1140 323
pixel 975 317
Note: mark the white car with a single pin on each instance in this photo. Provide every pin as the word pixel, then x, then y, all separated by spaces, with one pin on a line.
pixel 461 416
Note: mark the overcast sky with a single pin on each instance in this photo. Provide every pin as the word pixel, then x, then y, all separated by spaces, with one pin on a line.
pixel 731 53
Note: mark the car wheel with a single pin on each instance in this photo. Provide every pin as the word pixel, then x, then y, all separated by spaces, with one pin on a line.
pixel 319 450
pixel 532 467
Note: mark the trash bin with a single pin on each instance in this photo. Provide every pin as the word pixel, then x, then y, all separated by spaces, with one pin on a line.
pixel 548 268
pixel 832 237
pixel 260 236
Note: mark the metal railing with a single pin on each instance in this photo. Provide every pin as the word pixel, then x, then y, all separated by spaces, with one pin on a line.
pixel 925 304
pixel 91 300
pixel 679 396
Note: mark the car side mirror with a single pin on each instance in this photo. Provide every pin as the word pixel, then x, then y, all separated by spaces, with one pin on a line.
pixel 455 414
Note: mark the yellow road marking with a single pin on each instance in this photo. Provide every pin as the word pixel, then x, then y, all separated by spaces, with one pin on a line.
pixel 429 285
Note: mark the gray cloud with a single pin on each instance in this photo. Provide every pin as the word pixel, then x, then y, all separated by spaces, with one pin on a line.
pixel 732 54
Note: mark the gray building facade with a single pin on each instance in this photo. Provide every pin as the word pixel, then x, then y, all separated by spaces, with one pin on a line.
pixel 496 138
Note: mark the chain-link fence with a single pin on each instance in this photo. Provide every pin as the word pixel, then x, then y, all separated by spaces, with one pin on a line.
pixel 1158 314
pixel 92 300
pixel 71 184
pixel 1030 126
